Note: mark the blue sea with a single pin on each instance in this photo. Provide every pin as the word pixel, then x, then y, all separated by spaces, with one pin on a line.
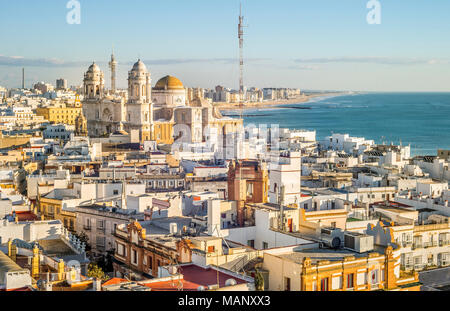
pixel 419 119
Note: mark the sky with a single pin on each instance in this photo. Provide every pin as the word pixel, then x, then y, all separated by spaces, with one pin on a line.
pixel 307 44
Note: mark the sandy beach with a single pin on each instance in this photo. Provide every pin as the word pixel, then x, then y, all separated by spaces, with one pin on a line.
pixel 273 104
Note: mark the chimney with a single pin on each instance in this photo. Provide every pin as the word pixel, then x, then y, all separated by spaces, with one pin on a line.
pixel 97 285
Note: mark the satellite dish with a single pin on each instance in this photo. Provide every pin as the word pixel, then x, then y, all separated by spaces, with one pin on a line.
pixel 201 288
pixel 230 282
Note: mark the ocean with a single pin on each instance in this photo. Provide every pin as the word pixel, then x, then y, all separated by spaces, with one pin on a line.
pixel 421 120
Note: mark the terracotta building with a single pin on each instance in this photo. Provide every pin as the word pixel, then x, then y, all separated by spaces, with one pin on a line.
pixel 248 182
pixel 142 247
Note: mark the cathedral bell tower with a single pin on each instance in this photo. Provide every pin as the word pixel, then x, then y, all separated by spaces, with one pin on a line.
pixel 139 107
pixel 94 83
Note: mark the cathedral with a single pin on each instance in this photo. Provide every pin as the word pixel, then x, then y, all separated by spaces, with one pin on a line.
pixel 154 113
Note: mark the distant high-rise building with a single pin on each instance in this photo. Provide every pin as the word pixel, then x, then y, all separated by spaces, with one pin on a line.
pixel 61 84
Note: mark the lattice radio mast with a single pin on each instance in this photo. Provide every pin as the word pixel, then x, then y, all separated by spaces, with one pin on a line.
pixel 241 56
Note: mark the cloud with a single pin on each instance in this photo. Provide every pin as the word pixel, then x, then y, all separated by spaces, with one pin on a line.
pixel 36 62
pixel 176 61
pixel 301 67
pixel 53 62
pixel 372 60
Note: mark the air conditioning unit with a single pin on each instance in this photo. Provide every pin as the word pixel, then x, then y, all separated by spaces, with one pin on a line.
pixel 358 242
pixel 332 237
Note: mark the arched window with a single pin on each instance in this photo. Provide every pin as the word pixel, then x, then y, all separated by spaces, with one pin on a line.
pixel 143 90
pixel 137 90
pixel 146 116
pixel 98 90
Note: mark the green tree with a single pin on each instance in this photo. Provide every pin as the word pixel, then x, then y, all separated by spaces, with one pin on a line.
pixel 95 271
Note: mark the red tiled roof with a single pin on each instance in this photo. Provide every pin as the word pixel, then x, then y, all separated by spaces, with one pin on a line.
pixel 26 216
pixel 115 281
pixel 193 277
pixel 205 277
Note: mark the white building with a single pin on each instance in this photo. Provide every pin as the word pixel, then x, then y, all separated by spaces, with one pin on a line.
pixel 286 173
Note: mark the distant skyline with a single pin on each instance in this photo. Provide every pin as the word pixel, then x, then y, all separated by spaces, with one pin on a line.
pixel 320 44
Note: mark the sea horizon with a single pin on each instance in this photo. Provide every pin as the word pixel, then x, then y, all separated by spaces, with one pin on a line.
pixel 419 119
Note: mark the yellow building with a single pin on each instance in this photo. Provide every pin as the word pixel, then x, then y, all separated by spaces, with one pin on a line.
pixel 338 270
pixel 61 114
pixel 163 132
pixel 50 207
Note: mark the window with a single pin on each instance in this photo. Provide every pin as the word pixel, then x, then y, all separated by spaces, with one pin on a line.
pixel 150 262
pixel 361 279
pixel 350 280
pixel 333 224
pixel 265 245
pixel 211 249
pixel 287 284
pixel 336 283
pixel 120 249
pixel 324 285
pixel 134 258
pixel 375 277
pixel 116 192
pixel 251 243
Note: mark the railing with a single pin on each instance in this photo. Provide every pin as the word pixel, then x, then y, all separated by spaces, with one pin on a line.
pixel 442 263
pixel 431 227
pixel 407 243
pixel 444 242
pixel 419 266
pixel 417 245
pixel 430 244
pixel 406 267
pixel 101 229
pixel 87 227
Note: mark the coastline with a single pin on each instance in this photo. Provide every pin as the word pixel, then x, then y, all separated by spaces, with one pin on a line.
pixel 276 103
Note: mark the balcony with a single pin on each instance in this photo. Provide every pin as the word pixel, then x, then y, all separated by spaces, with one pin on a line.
pixel 87 227
pixel 417 245
pixel 406 244
pixel 406 267
pixel 100 229
pixel 419 266
pixel 444 242
pixel 430 244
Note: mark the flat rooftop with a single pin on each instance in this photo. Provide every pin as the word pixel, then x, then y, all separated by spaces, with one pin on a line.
pixel 320 254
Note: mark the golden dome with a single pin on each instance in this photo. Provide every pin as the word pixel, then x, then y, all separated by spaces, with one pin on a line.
pixel 169 83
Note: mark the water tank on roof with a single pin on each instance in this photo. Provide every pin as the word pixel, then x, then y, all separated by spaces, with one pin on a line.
pixel 230 282
pixel 173 228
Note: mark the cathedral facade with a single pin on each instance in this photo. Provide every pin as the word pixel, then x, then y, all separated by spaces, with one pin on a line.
pixel 155 113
